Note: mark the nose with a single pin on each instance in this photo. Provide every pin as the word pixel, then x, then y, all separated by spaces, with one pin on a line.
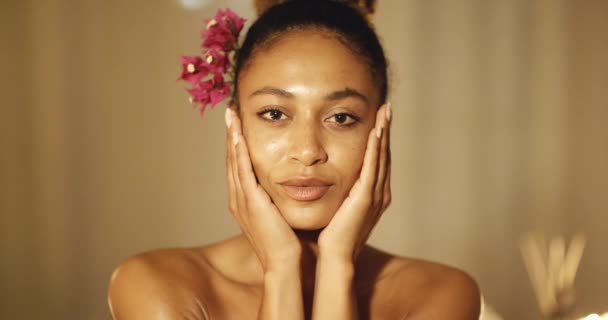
pixel 305 145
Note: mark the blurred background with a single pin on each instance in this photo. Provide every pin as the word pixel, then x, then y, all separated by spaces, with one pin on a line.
pixel 500 128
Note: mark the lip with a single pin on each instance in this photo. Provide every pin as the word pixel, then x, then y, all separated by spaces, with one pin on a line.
pixel 305 189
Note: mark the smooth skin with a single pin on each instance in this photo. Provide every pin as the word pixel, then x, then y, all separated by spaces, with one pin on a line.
pixel 306 109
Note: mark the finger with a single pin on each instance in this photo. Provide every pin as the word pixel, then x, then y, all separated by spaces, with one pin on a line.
pixel 234 132
pixel 237 194
pixel 242 201
pixel 244 168
pixel 369 170
pixel 230 118
pixel 383 156
pixel 229 176
pixel 247 178
pixel 387 196
pixel 236 123
pixel 387 193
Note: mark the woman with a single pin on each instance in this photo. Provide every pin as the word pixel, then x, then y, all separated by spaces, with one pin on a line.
pixel 308 173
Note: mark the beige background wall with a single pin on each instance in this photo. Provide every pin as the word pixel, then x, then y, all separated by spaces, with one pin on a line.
pixel 501 112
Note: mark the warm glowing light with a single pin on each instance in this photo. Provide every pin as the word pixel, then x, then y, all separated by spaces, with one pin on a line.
pixel 194 4
pixel 595 316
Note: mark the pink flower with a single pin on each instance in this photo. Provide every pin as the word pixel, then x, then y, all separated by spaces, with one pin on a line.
pixel 219 39
pixel 234 22
pixel 215 61
pixel 210 92
pixel 193 69
pixel 221 90
pixel 223 30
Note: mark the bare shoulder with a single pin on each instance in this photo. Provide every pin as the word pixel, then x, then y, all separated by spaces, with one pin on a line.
pixel 415 289
pixel 159 284
pixel 436 291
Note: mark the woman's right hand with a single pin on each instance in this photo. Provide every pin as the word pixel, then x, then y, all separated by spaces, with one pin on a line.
pixel 272 239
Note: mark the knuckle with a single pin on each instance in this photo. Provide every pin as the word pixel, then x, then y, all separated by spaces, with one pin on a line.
pixel 378 206
pixel 387 202
pixel 232 204
pixel 240 173
pixel 388 198
pixel 232 208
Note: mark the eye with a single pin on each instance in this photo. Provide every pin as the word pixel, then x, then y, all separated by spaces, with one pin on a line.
pixel 343 119
pixel 271 114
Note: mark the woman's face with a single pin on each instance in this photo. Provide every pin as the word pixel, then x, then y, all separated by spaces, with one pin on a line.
pixel 307 106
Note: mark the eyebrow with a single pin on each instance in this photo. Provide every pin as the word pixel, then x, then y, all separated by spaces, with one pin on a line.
pixel 346 93
pixel 333 96
pixel 272 91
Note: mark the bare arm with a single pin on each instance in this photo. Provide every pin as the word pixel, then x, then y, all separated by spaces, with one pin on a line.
pixel 277 248
pixel 282 297
pixel 334 290
pixel 341 241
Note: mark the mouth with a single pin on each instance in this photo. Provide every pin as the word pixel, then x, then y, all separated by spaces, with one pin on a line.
pixel 309 189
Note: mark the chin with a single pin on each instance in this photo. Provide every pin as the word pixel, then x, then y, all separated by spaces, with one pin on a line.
pixel 308 218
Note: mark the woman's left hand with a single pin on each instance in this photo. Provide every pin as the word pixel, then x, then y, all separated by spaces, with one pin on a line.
pixel 352 224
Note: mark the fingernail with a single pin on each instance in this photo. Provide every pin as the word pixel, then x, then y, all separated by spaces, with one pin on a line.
pixel 388 111
pixel 379 132
pixel 228 117
pixel 235 138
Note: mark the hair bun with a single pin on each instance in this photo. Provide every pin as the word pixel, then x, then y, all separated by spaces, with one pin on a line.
pixel 263 5
pixel 367 7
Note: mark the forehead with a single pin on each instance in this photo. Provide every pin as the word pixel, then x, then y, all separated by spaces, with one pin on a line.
pixel 314 59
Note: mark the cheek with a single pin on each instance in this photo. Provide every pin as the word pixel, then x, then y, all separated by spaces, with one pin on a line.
pixel 265 150
pixel 348 158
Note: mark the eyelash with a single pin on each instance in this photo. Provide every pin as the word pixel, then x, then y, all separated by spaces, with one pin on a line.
pixel 268 110
pixel 281 113
pixel 354 118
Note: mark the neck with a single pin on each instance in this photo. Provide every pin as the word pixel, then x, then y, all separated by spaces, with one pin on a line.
pixel 310 252
pixel 308 264
pixel 308 239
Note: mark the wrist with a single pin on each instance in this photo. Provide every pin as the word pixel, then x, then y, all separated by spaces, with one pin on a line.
pixel 283 268
pixel 342 265
pixel 284 261
pixel 335 255
pixel 282 294
pixel 281 275
pixel 277 278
